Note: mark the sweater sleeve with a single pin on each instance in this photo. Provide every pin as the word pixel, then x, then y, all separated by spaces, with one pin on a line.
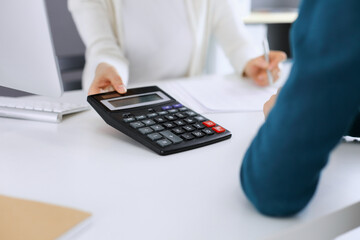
pixel 230 32
pixel 316 107
pixel 98 31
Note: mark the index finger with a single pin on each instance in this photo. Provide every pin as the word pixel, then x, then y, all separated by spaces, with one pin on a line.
pixel 117 82
pixel 275 58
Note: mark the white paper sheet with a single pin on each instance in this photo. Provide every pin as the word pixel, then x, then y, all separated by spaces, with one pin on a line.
pixel 207 94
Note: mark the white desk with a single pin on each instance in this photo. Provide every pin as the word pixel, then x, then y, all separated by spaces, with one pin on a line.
pixel 136 194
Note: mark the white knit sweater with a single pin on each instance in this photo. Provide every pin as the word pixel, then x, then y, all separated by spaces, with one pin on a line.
pixel 100 26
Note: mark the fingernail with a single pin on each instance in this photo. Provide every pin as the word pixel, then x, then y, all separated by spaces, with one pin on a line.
pixel 122 89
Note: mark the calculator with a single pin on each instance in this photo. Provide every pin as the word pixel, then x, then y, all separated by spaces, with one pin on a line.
pixel 155 119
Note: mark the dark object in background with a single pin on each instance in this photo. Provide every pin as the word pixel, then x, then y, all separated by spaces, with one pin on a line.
pixel 355 129
pixel 279 37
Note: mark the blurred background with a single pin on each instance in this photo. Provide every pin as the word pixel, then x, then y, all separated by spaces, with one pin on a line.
pixel 70 49
pixel 274 4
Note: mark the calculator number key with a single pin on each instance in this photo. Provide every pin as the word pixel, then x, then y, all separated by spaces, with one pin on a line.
pixel 170 117
pixel 163 142
pixel 154 136
pixel 189 120
pixel 168 125
pixel 180 115
pixel 199 126
pixel 157 128
pixel 136 125
pixel 129 119
pixel 198 134
pixel 190 113
pixel 189 128
pixel 145 130
pixel 148 122
pixel 140 117
pixel 172 137
pixel 178 130
pixel 160 120
pixel 187 136
pixel 173 111
pixel 200 118
pixel 208 131
pixel 151 115
pixel 179 123
pixel 162 113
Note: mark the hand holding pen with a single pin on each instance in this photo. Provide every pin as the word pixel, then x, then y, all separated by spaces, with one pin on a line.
pixel 265 70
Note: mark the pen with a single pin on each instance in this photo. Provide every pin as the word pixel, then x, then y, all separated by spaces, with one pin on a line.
pixel 267 59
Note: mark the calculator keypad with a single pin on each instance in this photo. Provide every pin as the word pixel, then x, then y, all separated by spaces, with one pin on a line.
pixel 172 125
pixel 157 120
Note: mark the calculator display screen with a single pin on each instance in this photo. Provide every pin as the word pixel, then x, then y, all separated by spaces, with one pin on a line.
pixel 135 100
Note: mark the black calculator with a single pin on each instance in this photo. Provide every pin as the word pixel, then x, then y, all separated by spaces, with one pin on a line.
pixel 156 120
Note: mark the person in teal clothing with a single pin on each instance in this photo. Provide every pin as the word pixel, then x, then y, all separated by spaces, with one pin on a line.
pixel 318 105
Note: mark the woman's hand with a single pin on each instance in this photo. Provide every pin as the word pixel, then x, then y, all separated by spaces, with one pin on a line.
pixel 106 79
pixel 256 68
pixel 270 104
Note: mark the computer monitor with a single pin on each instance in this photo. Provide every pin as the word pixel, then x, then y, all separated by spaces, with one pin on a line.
pixel 27 56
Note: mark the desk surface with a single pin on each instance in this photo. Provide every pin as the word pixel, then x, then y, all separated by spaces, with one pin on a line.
pixel 136 194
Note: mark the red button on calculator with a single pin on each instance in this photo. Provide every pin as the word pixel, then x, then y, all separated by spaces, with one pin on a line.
pixel 209 124
pixel 219 129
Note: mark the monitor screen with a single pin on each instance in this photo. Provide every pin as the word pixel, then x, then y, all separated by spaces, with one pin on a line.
pixel 27 60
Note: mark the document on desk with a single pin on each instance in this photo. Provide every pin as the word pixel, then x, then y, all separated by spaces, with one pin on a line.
pixel 216 94
pixel 23 219
pixel 213 94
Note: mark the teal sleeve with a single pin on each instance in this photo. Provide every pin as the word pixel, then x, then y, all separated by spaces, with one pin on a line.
pixel 316 107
